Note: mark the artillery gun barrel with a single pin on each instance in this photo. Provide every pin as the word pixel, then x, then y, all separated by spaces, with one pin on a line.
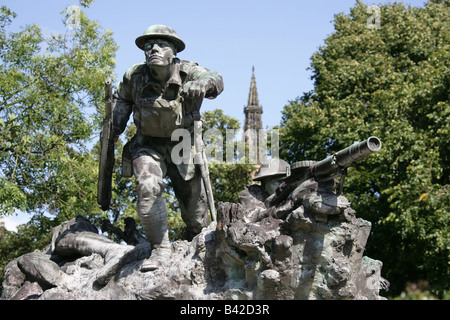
pixel 346 157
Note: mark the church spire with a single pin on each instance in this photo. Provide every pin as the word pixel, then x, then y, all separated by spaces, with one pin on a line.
pixel 253 95
pixel 253 110
pixel 252 122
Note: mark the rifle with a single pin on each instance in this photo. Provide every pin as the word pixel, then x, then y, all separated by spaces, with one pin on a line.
pixel 200 159
pixel 106 166
pixel 326 170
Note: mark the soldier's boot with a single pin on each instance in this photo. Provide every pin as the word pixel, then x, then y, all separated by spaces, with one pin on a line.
pixel 153 216
pixel 160 253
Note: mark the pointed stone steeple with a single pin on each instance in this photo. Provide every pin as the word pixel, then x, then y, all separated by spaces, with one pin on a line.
pixel 253 122
pixel 253 110
pixel 253 95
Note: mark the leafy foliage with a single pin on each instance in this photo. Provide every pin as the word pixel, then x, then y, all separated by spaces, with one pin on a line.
pixel 391 82
pixel 44 116
pixel 49 85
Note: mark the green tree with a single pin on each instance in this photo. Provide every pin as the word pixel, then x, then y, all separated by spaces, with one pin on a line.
pixel 227 179
pixel 391 82
pixel 51 96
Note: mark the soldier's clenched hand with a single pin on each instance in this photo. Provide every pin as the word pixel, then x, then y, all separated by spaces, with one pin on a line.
pixel 195 89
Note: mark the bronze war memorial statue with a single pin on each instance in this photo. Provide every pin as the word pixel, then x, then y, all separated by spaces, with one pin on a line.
pixel 164 94
pixel 291 235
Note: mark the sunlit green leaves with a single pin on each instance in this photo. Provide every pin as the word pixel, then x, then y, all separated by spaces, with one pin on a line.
pixel 50 87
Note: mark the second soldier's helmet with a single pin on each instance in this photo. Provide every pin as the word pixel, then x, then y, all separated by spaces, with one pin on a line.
pixel 275 167
pixel 160 31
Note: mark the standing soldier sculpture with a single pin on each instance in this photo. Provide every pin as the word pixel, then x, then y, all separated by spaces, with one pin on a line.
pixel 164 94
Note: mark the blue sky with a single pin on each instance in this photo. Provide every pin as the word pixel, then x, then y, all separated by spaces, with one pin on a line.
pixel 276 37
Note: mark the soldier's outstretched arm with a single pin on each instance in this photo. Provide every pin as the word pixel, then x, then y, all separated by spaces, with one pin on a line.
pixel 202 82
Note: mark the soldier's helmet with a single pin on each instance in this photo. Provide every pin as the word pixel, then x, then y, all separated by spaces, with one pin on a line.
pixel 159 31
pixel 275 167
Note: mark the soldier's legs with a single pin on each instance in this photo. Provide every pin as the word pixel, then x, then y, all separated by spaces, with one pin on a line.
pixel 151 209
pixel 192 199
pixel 86 243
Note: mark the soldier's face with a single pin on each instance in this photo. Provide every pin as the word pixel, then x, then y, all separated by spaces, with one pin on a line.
pixel 271 184
pixel 159 52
